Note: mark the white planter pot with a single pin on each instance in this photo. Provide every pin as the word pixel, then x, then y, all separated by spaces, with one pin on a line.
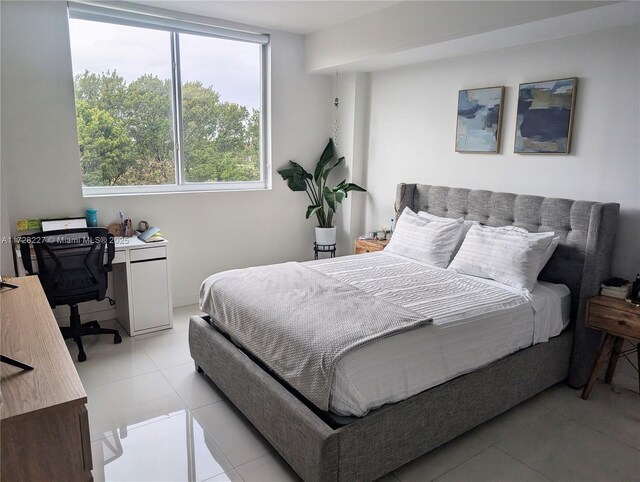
pixel 326 236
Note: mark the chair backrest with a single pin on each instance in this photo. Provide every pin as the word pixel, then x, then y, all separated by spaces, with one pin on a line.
pixel 72 263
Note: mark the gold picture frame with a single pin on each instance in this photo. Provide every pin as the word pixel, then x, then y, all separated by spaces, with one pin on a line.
pixel 479 120
pixel 544 121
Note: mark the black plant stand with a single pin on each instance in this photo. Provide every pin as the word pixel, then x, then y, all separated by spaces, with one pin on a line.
pixel 324 248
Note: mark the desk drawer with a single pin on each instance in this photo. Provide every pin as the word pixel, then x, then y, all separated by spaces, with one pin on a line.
pixel 614 321
pixel 120 257
pixel 148 253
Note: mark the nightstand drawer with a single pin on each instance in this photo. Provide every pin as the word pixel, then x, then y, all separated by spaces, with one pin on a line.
pixel 622 323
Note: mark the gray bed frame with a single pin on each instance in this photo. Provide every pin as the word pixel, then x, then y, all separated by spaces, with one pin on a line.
pixel 395 434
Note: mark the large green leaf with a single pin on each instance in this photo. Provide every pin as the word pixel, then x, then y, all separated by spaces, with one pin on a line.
pixel 298 179
pixel 328 169
pixel 354 187
pixel 349 186
pixel 312 209
pixel 295 176
pixel 333 197
pixel 326 157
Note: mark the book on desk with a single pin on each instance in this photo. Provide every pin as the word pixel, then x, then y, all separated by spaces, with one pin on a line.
pixel 151 235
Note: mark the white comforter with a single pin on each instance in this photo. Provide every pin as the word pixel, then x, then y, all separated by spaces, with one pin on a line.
pixel 492 322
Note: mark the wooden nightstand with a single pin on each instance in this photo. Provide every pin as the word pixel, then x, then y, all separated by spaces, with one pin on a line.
pixel 619 320
pixel 370 245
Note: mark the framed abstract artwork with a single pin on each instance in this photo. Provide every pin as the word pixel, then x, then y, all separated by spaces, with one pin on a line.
pixel 479 120
pixel 545 116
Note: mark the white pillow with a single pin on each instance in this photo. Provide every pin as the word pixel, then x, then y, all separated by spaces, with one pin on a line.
pixel 550 250
pixel 466 226
pixel 424 240
pixel 508 256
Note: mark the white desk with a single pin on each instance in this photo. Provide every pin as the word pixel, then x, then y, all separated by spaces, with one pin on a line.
pixel 141 284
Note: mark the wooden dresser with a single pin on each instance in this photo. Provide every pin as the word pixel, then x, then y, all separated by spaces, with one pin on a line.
pixel 44 423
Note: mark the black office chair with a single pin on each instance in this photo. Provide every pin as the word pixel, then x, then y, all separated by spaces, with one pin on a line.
pixel 72 267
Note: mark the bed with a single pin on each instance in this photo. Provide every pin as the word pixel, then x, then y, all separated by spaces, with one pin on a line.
pixel 364 448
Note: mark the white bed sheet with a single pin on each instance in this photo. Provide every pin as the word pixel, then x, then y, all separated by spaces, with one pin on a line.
pixel 397 367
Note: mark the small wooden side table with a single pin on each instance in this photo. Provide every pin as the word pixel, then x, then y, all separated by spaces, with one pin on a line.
pixel 370 245
pixel 619 320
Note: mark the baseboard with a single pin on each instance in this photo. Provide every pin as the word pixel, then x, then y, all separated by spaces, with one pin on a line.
pixel 179 301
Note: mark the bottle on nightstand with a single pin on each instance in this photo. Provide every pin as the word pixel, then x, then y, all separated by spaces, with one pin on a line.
pixel 635 289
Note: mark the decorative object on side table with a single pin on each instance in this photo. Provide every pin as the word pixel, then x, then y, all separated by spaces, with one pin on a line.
pixel 91 216
pixel 620 321
pixel 324 200
pixel 115 229
pixel 616 288
pixel 479 120
pixel 370 245
pixel 545 117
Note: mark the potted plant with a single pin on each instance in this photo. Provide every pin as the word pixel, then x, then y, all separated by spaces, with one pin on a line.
pixel 324 200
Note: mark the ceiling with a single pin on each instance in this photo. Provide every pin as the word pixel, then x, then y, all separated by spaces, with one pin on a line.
pixel 368 35
pixel 301 17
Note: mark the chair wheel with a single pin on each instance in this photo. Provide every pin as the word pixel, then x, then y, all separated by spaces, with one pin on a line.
pixel 82 356
pixel 117 339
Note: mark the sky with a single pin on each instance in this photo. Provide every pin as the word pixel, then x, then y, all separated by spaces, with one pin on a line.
pixel 231 67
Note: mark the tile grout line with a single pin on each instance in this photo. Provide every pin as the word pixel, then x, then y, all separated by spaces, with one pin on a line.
pixel 526 425
pixel 269 454
pixel 120 379
pixel 180 396
pixel 525 464
pixel 152 360
pixel 491 444
pixel 125 378
pixel 186 409
pixel 245 463
pixel 143 424
pixel 597 431
pixel 495 444
pixel 205 430
pixel 226 472
pixel 458 465
pixel 142 375
pixel 140 345
pixel 568 419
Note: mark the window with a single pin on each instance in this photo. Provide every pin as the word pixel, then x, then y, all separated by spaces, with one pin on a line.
pixel 166 105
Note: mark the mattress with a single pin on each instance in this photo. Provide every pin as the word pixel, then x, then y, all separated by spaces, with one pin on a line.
pixel 398 367
pixel 475 322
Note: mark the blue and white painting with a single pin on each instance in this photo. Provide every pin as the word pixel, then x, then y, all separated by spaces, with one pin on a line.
pixel 545 117
pixel 479 120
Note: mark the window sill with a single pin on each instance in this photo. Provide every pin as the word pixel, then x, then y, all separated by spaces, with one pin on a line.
pixel 113 191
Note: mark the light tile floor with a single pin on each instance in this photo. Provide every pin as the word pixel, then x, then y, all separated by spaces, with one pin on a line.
pixel 152 417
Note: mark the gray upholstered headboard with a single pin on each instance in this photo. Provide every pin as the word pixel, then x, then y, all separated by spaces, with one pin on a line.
pixel 581 261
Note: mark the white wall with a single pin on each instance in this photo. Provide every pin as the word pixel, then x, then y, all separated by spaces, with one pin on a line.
pixel 413 119
pixel 353 127
pixel 209 232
